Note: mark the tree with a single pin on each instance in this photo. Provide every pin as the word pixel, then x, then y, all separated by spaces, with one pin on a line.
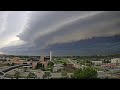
pixel 87 61
pixel 50 64
pixel 17 74
pixel 88 64
pixel 51 69
pixel 64 74
pixel 85 73
pixel 65 64
pixel 46 75
pixel 31 75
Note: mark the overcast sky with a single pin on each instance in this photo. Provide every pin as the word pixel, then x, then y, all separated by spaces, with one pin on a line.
pixel 37 32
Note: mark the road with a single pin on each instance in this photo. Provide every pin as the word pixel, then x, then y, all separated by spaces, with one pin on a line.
pixel 6 69
pixel 74 63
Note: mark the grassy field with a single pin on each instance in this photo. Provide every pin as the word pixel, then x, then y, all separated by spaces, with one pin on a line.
pixel 61 61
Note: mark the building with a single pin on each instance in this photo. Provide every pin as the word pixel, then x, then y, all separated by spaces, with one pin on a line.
pixel 44 61
pixel 34 64
pixel 109 66
pixel 57 67
pixel 97 63
pixel 27 67
pixel 42 58
pixel 50 56
pixel 15 60
pixel 115 60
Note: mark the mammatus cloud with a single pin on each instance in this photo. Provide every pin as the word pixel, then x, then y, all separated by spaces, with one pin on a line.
pixel 46 28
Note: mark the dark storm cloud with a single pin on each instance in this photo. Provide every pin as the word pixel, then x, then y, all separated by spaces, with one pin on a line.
pixel 40 23
pixel 94 25
pixel 44 29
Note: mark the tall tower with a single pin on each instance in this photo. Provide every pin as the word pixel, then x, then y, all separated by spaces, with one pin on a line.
pixel 50 55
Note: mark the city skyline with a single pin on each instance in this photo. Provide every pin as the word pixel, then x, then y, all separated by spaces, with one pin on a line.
pixel 62 32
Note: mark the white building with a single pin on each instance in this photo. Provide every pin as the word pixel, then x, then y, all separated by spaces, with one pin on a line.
pixel 115 60
pixel 97 62
pixel 50 56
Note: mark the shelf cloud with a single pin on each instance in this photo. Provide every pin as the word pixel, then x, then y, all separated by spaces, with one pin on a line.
pixel 38 30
